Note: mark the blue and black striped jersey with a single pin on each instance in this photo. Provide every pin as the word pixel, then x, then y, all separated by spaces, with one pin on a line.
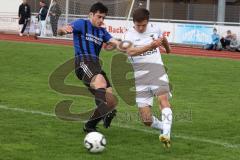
pixel 88 39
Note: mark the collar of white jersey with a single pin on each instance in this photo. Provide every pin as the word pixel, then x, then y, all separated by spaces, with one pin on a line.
pixel 148 26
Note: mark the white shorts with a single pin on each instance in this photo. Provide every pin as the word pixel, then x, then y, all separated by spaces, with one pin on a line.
pixel 146 94
pixel 150 84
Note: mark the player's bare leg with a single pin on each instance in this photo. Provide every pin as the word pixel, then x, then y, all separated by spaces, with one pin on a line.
pixel 97 83
pixel 165 136
pixel 105 102
pixel 148 119
pixel 111 103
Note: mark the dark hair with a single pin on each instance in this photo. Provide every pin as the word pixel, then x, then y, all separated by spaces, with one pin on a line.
pixel 214 29
pixel 140 15
pixel 43 1
pixel 99 7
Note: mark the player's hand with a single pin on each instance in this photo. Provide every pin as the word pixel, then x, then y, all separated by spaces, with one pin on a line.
pixel 166 45
pixel 161 42
pixel 156 43
pixel 68 29
pixel 65 30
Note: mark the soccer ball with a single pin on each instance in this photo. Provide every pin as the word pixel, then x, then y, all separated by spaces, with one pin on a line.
pixel 95 142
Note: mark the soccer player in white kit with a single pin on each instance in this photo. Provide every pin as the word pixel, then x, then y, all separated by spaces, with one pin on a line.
pixel 151 79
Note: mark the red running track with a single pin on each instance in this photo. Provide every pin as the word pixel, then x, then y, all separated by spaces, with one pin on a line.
pixel 179 50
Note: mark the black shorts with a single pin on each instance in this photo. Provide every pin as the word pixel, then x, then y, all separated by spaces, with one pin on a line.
pixel 86 70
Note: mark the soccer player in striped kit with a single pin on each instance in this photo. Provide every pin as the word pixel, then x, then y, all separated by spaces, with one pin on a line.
pixel 89 36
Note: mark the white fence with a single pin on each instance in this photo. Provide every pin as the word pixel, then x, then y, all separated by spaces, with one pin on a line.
pixel 8 23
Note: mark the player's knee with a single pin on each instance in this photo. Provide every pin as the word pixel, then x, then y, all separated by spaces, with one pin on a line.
pixel 111 100
pixel 100 85
pixel 98 82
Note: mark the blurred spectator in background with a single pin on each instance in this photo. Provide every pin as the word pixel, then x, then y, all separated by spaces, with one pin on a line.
pixel 234 44
pixel 42 16
pixel 54 13
pixel 225 41
pixel 215 44
pixel 24 15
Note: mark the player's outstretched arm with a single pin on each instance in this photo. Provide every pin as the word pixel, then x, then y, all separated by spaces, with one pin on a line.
pixel 134 51
pixel 65 30
pixel 131 50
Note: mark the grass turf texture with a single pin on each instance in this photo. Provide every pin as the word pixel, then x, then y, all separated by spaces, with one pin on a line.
pixel 206 104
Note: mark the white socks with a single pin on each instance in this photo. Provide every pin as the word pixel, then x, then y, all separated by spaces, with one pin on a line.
pixel 166 121
pixel 165 124
pixel 156 123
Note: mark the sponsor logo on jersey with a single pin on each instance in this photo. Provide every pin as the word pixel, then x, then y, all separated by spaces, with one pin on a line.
pixel 149 52
pixel 94 39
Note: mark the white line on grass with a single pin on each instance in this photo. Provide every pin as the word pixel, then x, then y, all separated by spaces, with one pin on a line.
pixel 215 142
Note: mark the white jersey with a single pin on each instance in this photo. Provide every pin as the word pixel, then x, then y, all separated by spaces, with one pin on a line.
pixel 141 39
pixel 149 72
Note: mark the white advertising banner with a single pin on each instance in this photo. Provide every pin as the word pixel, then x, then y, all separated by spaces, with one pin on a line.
pixel 9 24
pixel 196 34
pixel 117 28
pixel 182 33
pixel 193 34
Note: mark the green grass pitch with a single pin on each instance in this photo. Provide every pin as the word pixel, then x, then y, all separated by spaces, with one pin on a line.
pixel 206 94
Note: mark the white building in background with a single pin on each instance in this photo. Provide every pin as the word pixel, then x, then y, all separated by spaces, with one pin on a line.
pixel 9 7
pixel 9 15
